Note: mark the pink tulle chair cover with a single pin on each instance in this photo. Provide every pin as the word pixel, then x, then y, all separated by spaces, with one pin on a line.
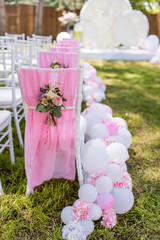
pixel 70 60
pixel 49 150
pixel 76 40
pixel 65 49
pixel 67 44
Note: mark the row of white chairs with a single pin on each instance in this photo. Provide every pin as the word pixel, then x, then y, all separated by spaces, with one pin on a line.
pixel 9 87
pixel 15 51
pixel 6 139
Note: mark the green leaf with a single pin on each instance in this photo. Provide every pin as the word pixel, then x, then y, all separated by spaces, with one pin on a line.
pixel 47 87
pixel 43 90
pixel 64 99
pixel 57 113
pixel 41 108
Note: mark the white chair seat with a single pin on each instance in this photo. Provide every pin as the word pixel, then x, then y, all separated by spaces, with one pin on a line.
pixel 6 96
pixel 34 62
pixel 4 116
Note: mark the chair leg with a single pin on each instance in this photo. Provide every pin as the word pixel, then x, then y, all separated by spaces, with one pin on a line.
pixel 17 126
pixel 1 189
pixel 11 149
pixel 28 191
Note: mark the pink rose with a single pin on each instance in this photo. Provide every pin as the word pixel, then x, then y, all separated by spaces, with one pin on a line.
pixel 58 101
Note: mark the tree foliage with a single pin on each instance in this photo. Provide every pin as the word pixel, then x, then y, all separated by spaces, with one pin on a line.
pixel 146 5
pixel 142 5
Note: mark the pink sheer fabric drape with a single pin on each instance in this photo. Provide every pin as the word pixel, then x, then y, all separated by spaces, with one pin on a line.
pixel 70 60
pixel 65 49
pixel 76 40
pixel 67 44
pixel 49 150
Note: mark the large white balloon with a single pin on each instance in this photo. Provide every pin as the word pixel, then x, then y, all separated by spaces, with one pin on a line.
pixel 123 200
pixel 104 184
pixel 98 130
pixel 67 215
pixel 115 172
pixel 98 109
pixel 94 158
pixel 63 35
pixel 91 119
pixel 119 139
pixel 95 35
pixel 151 43
pixel 96 212
pixel 88 225
pixel 94 142
pixel 120 122
pixel 131 28
pixel 88 193
pixel 126 135
pixel 117 151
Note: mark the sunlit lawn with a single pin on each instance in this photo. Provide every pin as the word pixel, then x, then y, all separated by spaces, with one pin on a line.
pixel 133 92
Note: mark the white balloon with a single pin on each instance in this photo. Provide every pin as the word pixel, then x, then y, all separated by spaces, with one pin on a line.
pixel 62 35
pixel 98 35
pixel 126 135
pixel 117 151
pixel 89 90
pixel 93 158
pixel 120 121
pixel 67 215
pixel 119 139
pixel 123 200
pixel 94 142
pixel 151 43
pixel 96 212
pixel 104 184
pixel 98 130
pixel 115 172
pixel 99 96
pixel 88 193
pixel 99 109
pixel 91 119
pixel 131 28
pixel 124 167
pixel 88 225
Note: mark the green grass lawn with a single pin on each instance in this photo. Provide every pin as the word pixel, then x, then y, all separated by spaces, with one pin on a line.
pixel 133 92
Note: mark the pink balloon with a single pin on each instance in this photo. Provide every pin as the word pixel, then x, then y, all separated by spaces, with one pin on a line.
pixel 105 200
pixel 112 127
pixel 109 110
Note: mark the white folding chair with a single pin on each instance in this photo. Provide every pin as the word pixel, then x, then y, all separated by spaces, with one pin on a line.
pixel 79 137
pixel 10 95
pixel 6 130
pixel 37 45
pixel 44 39
pixel 23 53
pixel 18 36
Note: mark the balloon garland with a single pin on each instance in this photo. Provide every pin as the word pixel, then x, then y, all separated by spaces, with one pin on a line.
pixel 107 188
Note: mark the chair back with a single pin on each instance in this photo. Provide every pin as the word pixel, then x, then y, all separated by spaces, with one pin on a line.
pixel 50 151
pixel 70 60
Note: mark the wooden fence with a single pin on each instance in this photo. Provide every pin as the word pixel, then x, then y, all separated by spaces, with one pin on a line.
pixel 20 19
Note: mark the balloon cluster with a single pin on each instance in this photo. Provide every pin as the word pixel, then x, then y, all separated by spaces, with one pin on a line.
pixel 107 188
pixel 151 43
pixel 93 88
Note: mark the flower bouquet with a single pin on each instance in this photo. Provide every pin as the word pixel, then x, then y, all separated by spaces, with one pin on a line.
pixel 56 64
pixel 51 101
pixel 68 19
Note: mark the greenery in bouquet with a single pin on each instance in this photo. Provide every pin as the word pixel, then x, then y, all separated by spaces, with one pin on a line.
pixel 68 18
pixel 51 101
pixel 55 64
